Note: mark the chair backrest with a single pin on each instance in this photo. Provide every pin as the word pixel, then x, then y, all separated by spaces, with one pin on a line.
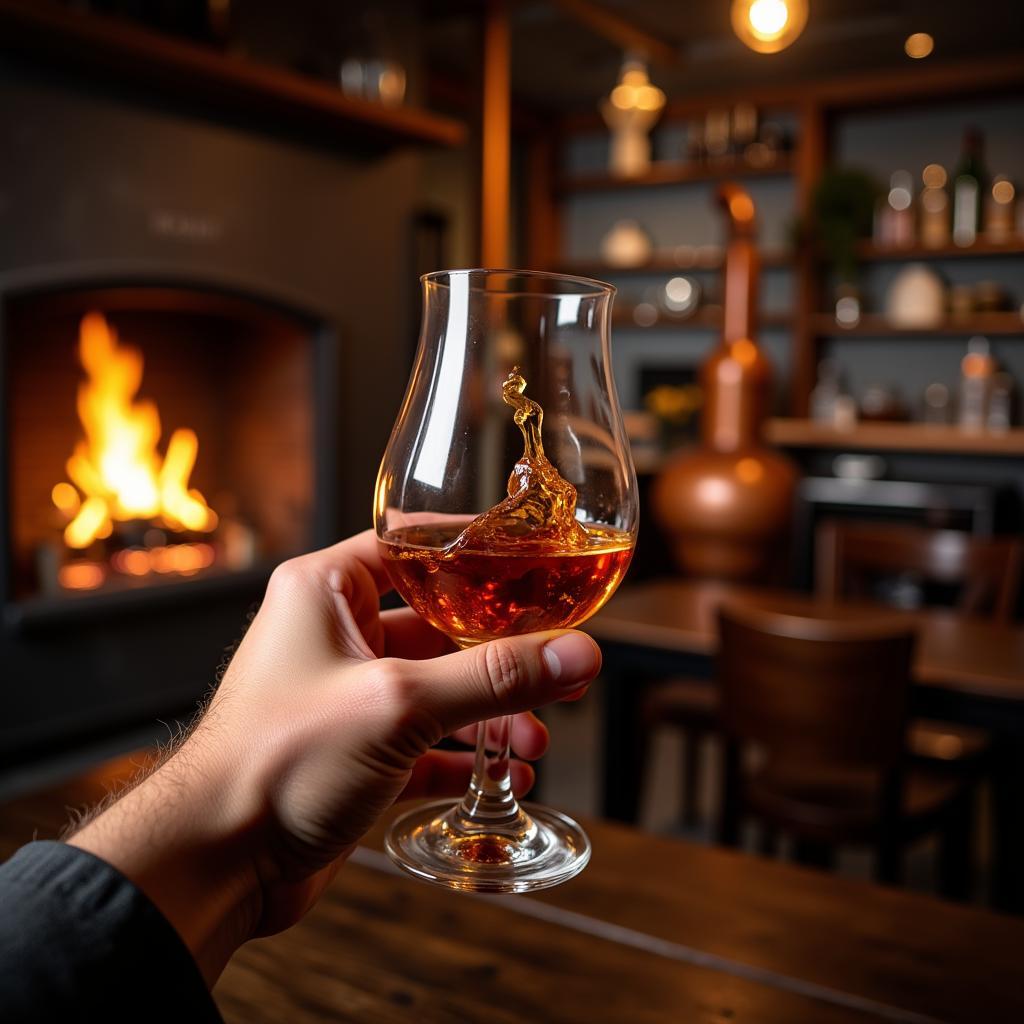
pixel 851 557
pixel 827 692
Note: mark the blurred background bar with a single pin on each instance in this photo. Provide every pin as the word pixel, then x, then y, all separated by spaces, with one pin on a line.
pixel 213 217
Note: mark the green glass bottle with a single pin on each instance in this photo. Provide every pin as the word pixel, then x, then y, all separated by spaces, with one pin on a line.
pixel 969 182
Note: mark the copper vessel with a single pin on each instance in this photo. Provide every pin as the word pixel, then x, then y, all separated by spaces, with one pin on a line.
pixel 726 505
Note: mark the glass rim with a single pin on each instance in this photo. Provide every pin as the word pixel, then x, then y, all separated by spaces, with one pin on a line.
pixel 581 287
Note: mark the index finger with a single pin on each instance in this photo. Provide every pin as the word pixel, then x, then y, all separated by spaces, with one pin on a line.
pixel 362 549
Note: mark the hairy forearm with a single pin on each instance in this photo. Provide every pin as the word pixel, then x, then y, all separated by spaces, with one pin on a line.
pixel 184 835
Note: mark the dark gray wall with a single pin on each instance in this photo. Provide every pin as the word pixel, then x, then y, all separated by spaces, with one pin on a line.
pixel 103 184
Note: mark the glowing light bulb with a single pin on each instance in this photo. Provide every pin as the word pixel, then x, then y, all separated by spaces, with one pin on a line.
pixel 768 17
pixel 767 26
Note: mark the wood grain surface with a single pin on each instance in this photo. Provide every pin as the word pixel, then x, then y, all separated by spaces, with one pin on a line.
pixel 654 930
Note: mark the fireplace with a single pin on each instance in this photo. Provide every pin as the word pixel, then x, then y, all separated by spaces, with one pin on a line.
pixel 254 272
pixel 165 446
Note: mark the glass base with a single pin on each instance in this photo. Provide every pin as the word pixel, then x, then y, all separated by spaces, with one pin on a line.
pixel 540 848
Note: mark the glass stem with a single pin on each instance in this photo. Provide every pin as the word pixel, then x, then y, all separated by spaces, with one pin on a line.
pixel 489 801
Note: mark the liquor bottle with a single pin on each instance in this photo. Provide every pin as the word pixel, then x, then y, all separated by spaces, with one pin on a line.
pixel 976 371
pixel 999 210
pixel 968 183
pixel 894 217
pixel 934 208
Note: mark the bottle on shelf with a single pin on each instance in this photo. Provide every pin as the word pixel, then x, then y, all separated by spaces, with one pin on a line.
pixel 744 128
pixel 894 217
pixel 999 203
pixel 717 135
pixel 999 417
pixel 933 218
pixel 976 371
pixel 969 181
pixel 695 152
pixel 936 405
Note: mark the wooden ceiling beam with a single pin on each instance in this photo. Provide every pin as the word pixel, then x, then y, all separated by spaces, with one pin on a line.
pixel 619 30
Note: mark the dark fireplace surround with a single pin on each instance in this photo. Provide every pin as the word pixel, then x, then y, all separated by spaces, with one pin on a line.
pixel 256 271
pixel 255 378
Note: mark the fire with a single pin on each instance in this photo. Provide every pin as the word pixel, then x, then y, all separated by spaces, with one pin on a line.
pixel 117 471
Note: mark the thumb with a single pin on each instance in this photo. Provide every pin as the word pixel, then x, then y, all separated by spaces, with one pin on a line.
pixel 503 677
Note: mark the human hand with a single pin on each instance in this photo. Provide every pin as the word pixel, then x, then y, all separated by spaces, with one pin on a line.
pixel 326 716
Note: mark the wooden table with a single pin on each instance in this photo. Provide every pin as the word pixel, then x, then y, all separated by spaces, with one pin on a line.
pixel 655 930
pixel 965 670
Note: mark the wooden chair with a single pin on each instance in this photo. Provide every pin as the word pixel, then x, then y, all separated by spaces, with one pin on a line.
pixel 853 558
pixel 822 704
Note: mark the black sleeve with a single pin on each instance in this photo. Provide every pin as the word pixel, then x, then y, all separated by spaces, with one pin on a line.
pixel 79 942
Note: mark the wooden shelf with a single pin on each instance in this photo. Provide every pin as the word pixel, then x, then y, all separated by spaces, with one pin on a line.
pixel 877 326
pixel 873 254
pixel 125 52
pixel 676 173
pixel 702 320
pixel 909 437
pixel 666 263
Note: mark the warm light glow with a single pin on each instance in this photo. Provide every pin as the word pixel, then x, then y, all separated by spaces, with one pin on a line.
pixel 714 492
pixel 80 576
pixel 744 351
pixel 741 207
pixel 183 559
pixel 116 468
pixel 1002 191
pixel 934 176
pixel 749 471
pixel 919 45
pixel 66 498
pixel 976 364
pixel 768 26
pixel 768 17
pixel 635 92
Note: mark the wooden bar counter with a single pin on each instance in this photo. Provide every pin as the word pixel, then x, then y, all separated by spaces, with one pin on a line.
pixel 655 930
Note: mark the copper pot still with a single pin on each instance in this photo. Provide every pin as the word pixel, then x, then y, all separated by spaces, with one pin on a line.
pixel 726 505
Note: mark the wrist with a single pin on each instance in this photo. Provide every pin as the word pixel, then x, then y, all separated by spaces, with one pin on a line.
pixel 185 836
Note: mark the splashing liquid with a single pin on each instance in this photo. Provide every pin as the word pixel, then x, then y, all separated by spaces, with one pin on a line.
pixel 526 564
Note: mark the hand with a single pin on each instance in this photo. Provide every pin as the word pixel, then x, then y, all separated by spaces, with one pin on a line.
pixel 326 716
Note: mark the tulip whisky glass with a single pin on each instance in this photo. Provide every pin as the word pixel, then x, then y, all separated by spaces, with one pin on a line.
pixel 506 503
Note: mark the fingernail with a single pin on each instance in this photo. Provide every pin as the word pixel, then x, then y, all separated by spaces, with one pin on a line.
pixel 571 659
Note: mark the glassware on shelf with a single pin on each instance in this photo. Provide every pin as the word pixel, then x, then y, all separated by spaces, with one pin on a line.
pixel 630 112
pixel 936 405
pixel 681 296
pixel 826 392
pixel 626 244
pixel 999 204
pixel 999 416
pixel 934 215
pixel 916 298
pixel 976 370
pixel 376 79
pixel 969 181
pixel 848 308
pixel 880 403
pixel 894 215
pixel 513 371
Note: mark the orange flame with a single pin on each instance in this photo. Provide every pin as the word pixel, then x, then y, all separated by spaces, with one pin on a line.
pixel 116 468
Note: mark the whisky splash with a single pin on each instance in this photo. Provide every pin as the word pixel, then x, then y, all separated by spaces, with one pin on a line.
pixel 526 564
pixel 540 510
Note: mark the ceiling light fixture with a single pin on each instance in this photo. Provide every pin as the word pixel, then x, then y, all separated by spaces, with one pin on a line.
pixel 919 45
pixel 767 26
